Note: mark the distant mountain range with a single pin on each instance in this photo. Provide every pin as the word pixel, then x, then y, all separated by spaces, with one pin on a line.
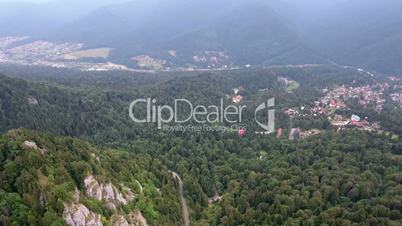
pixel 192 33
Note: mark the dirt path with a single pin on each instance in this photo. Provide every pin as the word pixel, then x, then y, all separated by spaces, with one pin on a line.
pixel 186 215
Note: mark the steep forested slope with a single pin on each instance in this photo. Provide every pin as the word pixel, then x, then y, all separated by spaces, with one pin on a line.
pixel 335 179
pixel 247 31
pixel 361 33
pixel 48 108
pixel 350 177
pixel 48 180
pixel 90 105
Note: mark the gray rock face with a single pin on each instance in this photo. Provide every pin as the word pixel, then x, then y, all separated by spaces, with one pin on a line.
pixel 133 219
pixel 43 199
pixel 33 145
pixel 79 215
pixel 127 193
pixel 119 220
pixel 76 195
pixel 138 218
pixel 107 192
pixel 76 214
pixel 32 100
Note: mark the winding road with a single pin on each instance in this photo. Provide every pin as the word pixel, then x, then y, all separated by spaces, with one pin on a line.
pixel 186 215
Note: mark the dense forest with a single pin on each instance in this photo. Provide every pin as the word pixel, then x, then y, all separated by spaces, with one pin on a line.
pixel 349 177
pixel 37 182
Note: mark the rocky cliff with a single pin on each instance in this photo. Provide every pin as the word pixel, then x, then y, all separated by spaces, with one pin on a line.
pixel 107 192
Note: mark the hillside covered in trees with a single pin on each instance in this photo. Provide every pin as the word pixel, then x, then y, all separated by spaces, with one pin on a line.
pixel 337 177
pixel 47 180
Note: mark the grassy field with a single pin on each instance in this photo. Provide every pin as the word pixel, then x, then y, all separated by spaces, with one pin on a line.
pixel 90 53
pixel 148 62
pixel 292 86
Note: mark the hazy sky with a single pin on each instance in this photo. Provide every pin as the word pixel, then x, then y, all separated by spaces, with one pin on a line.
pixel 44 1
pixel 38 1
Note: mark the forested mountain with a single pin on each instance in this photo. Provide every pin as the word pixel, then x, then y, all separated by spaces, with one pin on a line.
pixel 83 100
pixel 256 32
pixel 251 33
pixel 48 180
pixel 247 31
pixel 186 34
pixel 351 177
pixel 362 33
pixel 249 112
pixel 336 179
pixel 63 111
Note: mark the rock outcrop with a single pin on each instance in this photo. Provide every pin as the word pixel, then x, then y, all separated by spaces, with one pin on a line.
pixel 107 192
pixel 32 100
pixel 95 157
pixel 127 193
pixel 76 195
pixel 133 219
pixel 33 145
pixel 79 215
pixel 137 217
pixel 119 220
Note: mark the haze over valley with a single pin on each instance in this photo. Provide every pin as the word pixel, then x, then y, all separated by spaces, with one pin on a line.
pixel 186 35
